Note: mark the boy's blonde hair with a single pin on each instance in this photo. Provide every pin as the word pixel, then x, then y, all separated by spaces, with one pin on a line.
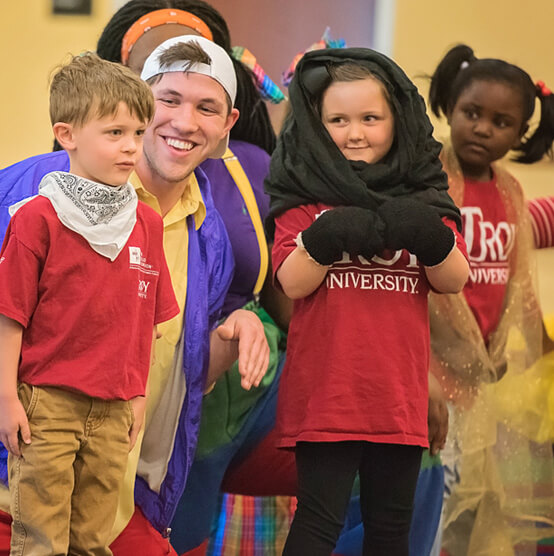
pixel 89 87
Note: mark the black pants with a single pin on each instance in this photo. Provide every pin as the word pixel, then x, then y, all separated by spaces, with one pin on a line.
pixel 326 473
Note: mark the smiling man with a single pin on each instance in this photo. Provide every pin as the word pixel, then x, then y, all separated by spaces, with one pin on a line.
pixel 194 93
pixel 194 87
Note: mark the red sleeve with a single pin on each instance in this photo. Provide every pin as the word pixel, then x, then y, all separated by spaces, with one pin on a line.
pixel 460 241
pixel 20 269
pixel 287 227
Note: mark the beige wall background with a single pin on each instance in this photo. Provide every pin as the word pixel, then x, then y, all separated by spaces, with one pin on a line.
pixel 33 42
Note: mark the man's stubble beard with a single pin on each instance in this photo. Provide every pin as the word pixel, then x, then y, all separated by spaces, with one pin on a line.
pixel 155 170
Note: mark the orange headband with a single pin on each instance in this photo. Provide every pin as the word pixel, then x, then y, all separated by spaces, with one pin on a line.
pixel 157 18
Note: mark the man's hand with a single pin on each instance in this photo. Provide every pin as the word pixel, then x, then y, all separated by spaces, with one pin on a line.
pixel 437 417
pixel 12 424
pixel 138 405
pixel 247 330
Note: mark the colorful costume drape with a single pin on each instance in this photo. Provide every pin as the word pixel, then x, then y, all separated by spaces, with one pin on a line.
pixel 501 425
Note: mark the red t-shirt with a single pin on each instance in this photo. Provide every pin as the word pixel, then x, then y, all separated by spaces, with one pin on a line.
pixel 357 348
pixel 87 321
pixel 489 239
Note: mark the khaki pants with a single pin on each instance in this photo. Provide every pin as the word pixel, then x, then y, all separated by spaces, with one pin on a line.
pixel 64 487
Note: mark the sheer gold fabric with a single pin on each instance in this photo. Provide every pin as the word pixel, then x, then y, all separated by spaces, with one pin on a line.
pixel 502 405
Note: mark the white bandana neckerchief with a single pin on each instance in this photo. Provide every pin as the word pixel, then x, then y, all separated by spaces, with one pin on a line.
pixel 104 215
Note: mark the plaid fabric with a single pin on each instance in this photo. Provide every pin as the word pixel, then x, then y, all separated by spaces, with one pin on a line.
pixel 251 526
pixel 258 526
pixel 268 89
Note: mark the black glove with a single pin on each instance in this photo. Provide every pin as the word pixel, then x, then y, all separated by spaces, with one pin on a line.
pixel 355 230
pixel 417 227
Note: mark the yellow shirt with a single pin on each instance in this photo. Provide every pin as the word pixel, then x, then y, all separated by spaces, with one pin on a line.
pixel 176 254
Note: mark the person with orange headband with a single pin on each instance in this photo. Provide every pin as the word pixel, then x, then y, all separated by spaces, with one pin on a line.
pixel 158 18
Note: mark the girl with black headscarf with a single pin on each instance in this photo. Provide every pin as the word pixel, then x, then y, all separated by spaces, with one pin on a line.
pixel 363 228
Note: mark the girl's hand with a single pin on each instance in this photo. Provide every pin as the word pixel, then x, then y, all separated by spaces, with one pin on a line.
pixel 13 424
pixel 437 417
pixel 138 406
pixel 356 230
pixel 414 226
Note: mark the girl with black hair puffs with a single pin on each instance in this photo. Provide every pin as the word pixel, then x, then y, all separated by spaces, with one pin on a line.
pixel 504 489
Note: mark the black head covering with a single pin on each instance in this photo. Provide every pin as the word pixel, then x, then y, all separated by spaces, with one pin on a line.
pixel 308 167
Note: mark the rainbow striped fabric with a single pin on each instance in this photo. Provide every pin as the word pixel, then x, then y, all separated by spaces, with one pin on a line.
pixel 325 42
pixel 546 547
pixel 542 219
pixel 268 89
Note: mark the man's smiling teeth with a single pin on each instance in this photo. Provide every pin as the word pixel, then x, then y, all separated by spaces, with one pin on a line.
pixel 183 145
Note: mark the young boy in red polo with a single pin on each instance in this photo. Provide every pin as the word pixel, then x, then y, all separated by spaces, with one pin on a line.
pixel 83 284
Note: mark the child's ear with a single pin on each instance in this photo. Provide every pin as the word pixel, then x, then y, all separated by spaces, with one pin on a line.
pixel 517 142
pixel 64 135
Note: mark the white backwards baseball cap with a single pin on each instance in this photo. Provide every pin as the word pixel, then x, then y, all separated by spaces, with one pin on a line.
pixel 220 68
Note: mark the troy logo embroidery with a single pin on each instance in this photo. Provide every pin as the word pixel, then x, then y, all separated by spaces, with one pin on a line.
pixel 145 270
pixel 138 262
pixel 488 246
pixel 486 241
pixel 134 255
pixel 143 288
pixel 376 273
